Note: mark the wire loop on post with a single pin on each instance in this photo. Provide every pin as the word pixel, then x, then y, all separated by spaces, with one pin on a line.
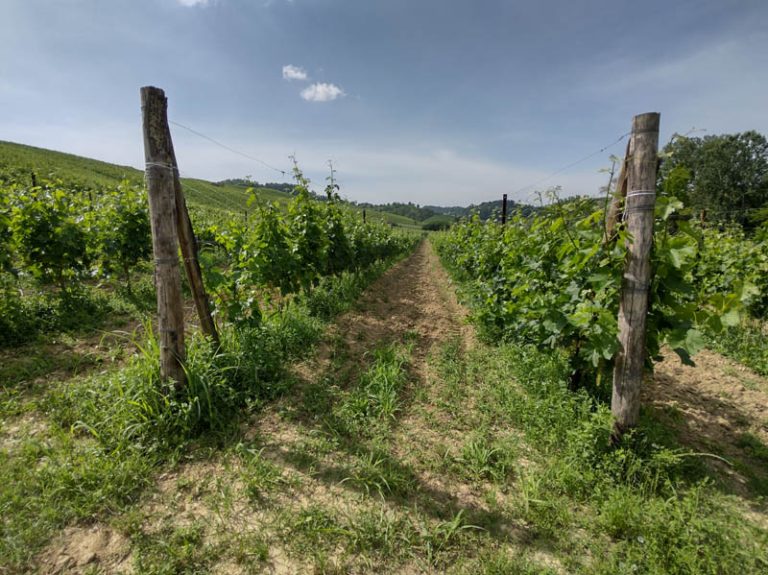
pixel 634 193
pixel 161 165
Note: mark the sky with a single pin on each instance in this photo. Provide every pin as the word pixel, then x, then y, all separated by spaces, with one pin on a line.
pixel 441 102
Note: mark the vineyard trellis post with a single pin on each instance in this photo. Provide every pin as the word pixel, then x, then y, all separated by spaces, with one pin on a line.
pixel 612 218
pixel 629 368
pixel 159 171
pixel 504 209
pixel 189 250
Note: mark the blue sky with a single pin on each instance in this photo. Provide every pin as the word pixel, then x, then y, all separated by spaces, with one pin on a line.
pixel 432 101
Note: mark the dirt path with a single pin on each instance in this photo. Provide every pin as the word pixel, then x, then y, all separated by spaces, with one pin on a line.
pixel 288 464
pixel 414 298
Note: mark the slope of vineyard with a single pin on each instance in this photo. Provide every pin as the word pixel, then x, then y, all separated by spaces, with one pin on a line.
pixel 20 161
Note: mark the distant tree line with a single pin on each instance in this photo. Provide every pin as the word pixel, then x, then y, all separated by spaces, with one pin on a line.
pixel 723 178
pixel 409 210
pixel 485 210
pixel 246 183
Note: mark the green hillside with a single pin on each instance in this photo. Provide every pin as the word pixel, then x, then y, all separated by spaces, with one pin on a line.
pixel 21 160
pixel 18 162
pixel 395 219
pixel 438 222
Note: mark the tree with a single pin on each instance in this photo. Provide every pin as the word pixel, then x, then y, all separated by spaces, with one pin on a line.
pixel 728 174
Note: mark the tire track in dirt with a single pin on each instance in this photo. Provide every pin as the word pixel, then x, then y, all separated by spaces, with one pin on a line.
pixel 414 296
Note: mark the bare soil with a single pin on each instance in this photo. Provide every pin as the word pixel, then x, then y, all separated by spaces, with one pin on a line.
pixel 715 408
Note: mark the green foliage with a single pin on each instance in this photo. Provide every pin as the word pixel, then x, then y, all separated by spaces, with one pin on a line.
pixel 746 343
pixel 731 260
pixel 294 251
pixel 729 173
pixel 6 234
pixel 409 210
pixel 490 210
pixel 48 228
pixel 308 233
pixel 552 281
pixel 58 233
pixel 120 229
pixel 340 254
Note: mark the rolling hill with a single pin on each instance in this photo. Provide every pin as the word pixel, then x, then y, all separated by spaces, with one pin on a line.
pixel 20 162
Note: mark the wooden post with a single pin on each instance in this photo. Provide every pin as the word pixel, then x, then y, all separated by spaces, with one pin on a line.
pixel 363 216
pixel 162 207
pixel 504 209
pixel 633 308
pixel 612 217
pixel 189 249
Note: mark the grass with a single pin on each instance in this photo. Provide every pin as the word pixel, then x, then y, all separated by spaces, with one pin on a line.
pixel 556 497
pixel 644 504
pixel 173 549
pixel 746 344
pixel 53 481
pixel 375 401
pixel 106 435
pixel 259 475
pixel 76 170
pixel 438 222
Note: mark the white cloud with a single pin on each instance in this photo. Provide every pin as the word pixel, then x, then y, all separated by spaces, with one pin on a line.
pixel 193 2
pixel 291 72
pixel 322 92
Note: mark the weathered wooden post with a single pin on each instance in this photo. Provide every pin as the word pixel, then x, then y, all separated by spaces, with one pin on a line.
pixel 612 217
pixel 504 209
pixel 159 176
pixel 363 216
pixel 189 249
pixel 633 308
